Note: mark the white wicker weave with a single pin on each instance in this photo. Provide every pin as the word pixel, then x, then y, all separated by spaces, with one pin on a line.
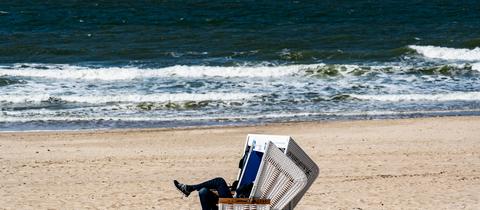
pixel 279 178
pixel 302 160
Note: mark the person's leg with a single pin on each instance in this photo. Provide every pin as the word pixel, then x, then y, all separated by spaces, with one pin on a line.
pixel 218 184
pixel 208 199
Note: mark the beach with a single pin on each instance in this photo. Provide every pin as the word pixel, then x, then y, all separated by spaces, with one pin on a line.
pixel 421 163
pixel 104 103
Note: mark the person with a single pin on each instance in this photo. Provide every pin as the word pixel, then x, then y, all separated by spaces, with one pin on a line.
pixel 208 199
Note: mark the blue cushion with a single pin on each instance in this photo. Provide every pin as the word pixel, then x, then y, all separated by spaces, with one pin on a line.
pixel 251 168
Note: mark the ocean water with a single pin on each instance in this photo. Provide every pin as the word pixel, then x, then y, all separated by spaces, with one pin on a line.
pixel 139 64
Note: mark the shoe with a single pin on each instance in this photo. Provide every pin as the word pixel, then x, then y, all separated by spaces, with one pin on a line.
pixel 182 188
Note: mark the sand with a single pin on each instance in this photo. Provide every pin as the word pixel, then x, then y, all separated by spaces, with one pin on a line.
pixel 428 163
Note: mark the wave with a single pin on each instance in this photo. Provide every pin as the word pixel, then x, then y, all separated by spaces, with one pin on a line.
pixel 8 81
pixel 456 96
pixel 476 66
pixel 334 70
pixel 446 53
pixel 133 98
pixel 72 72
pixel 65 71
pixel 292 116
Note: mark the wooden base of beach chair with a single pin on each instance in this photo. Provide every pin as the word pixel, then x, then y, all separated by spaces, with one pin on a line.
pixel 243 204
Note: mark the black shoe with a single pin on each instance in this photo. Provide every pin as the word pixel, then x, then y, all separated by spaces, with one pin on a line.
pixel 182 188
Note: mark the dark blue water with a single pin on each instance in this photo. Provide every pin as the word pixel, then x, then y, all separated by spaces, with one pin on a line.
pixel 108 64
pixel 125 32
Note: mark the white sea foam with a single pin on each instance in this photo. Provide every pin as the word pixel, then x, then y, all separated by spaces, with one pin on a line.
pixel 455 96
pixel 292 115
pixel 40 116
pixel 446 53
pixel 132 98
pixel 476 66
pixel 63 71
pixel 147 118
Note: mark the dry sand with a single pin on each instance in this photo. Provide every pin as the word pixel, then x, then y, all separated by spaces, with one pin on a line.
pixel 430 163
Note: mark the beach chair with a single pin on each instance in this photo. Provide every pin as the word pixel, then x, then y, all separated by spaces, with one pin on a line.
pixel 277 183
pixel 255 145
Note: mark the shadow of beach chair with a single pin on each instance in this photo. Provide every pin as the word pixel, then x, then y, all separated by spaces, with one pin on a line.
pixel 278 182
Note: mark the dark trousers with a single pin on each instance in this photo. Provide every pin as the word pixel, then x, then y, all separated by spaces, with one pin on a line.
pixel 208 199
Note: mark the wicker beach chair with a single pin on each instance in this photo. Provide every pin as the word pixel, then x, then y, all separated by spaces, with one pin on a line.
pixel 292 150
pixel 279 180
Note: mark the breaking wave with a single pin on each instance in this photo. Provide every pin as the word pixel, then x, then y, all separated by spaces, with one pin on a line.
pixel 72 72
pixel 8 81
pixel 446 53
pixel 133 98
pixel 456 96
pixel 64 71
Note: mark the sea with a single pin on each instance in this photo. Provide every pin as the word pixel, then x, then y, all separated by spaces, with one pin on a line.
pixel 72 65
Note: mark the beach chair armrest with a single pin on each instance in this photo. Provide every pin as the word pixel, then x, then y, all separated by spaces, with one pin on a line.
pixel 243 201
pixel 243 204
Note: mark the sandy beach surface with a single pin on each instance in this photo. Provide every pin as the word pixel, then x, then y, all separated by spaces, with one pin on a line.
pixel 428 163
